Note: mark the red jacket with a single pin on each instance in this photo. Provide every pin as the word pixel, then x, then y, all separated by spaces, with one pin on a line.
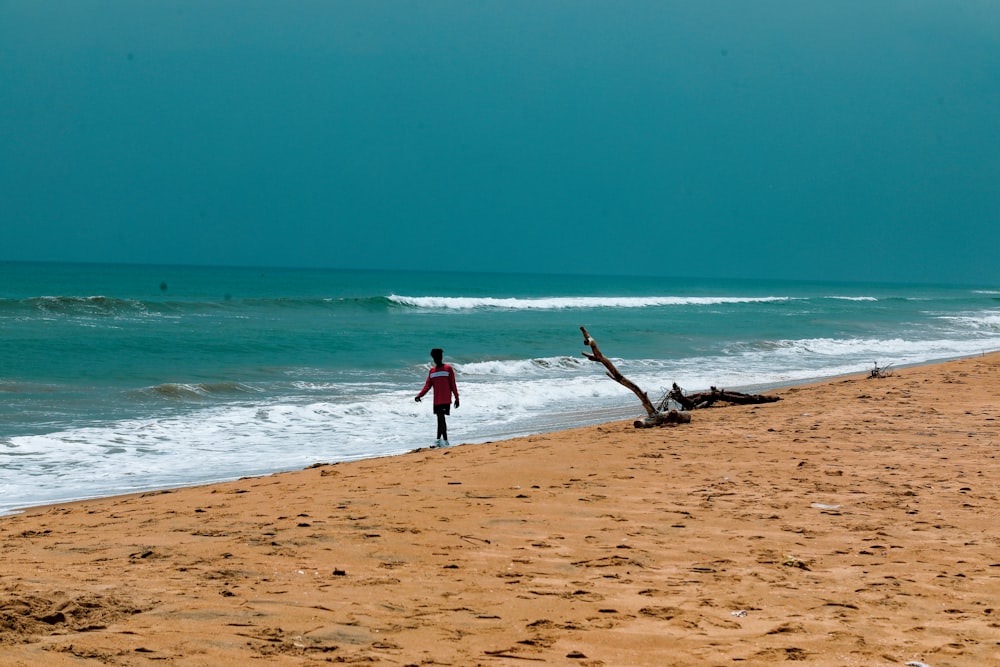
pixel 443 380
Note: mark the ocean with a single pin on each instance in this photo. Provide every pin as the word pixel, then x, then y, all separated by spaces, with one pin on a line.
pixel 117 378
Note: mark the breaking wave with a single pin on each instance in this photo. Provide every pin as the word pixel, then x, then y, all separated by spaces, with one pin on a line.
pixel 564 302
pixel 185 391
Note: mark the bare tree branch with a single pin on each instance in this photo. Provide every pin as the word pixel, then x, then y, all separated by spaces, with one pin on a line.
pixel 615 374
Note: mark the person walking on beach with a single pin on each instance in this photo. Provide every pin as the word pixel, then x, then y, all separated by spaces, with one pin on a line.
pixel 442 378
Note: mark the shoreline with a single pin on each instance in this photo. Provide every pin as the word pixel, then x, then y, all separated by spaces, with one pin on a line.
pixel 751 388
pixel 637 410
pixel 852 522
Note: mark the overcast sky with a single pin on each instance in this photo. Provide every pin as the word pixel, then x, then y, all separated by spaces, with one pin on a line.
pixel 849 140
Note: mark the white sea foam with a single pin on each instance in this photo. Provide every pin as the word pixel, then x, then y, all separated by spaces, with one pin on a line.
pixel 564 302
pixel 987 320
pixel 854 298
pixel 820 353
pixel 521 368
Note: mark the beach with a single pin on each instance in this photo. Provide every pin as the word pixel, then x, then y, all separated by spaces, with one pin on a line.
pixel 853 522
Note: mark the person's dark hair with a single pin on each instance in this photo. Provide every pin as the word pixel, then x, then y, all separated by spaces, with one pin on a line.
pixel 437 354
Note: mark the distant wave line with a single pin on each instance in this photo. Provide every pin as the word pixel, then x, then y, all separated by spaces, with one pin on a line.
pixel 566 302
pixel 104 306
pixel 99 305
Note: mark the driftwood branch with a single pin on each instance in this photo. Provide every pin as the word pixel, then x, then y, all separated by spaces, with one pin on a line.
pixel 880 372
pixel 704 399
pixel 660 415
pixel 654 417
pixel 615 374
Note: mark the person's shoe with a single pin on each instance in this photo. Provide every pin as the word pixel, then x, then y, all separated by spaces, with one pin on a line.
pixel 444 443
pixel 437 443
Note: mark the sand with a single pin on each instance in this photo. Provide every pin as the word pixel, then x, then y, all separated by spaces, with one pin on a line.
pixel 854 522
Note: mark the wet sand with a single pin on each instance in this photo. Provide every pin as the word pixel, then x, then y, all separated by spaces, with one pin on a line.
pixel 854 522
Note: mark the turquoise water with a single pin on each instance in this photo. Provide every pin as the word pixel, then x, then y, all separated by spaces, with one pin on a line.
pixel 122 378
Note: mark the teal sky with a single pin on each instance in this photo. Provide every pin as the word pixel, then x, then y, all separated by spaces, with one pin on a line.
pixel 849 140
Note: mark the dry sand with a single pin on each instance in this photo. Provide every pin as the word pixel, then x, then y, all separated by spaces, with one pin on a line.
pixel 855 522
